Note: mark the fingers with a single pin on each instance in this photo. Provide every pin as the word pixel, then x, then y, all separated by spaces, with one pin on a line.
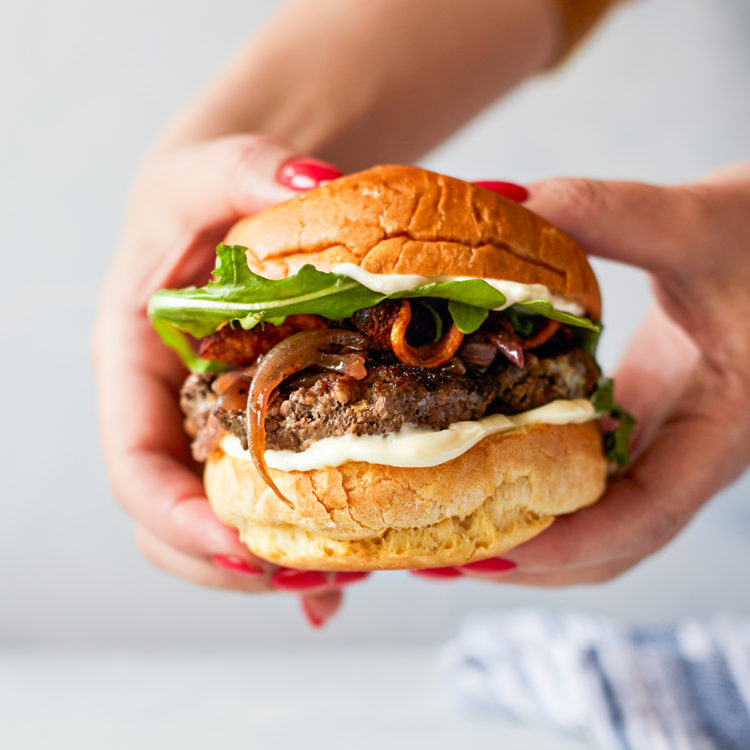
pixel 196 569
pixel 656 365
pixel 217 182
pixel 320 607
pixel 700 447
pixel 643 225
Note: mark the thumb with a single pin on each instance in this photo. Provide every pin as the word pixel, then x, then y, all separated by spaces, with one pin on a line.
pixel 185 202
pixel 212 184
pixel 642 225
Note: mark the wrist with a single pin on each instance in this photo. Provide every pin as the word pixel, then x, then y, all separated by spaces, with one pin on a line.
pixel 370 82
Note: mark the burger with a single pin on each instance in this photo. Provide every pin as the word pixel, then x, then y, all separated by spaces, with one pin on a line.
pixel 394 370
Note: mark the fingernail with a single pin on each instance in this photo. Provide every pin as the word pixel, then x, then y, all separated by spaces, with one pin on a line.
pixel 304 173
pixel 236 565
pixel 443 573
pixel 344 579
pixel 297 580
pixel 510 190
pixel 493 565
pixel 312 618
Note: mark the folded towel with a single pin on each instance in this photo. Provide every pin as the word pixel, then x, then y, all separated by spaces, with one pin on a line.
pixel 685 687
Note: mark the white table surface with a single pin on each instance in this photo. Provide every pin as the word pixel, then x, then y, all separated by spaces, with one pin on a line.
pixel 330 699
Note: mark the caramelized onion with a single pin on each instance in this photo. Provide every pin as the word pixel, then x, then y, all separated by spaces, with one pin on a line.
pixel 289 356
pixel 455 366
pixel 477 350
pixel 352 365
pixel 543 335
pixel 429 355
pixel 508 344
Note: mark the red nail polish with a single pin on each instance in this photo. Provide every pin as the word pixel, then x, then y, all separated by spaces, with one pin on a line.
pixel 236 565
pixel 297 580
pixel 493 565
pixel 347 577
pixel 304 173
pixel 443 573
pixel 312 618
pixel 508 189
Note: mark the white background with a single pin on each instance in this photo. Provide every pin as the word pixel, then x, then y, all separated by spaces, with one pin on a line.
pixel 662 93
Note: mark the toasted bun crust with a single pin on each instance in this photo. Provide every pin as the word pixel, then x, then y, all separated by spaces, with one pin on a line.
pixel 361 516
pixel 395 219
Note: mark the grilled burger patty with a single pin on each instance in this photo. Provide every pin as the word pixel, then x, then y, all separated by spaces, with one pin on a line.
pixel 392 396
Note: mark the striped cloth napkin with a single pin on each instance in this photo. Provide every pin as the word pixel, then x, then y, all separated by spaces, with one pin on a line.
pixel 685 687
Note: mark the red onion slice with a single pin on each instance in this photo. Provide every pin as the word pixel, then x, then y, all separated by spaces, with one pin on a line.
pixel 478 351
pixel 289 356
pixel 509 346
pixel 352 365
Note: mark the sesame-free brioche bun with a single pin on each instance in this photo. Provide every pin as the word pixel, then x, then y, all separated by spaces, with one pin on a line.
pixel 406 220
pixel 361 516
pixel 496 495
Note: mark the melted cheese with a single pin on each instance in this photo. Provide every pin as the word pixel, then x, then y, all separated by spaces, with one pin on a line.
pixel 390 283
pixel 414 447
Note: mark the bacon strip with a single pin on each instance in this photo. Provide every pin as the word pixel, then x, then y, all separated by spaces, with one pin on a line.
pixel 544 334
pixel 235 346
pixel 429 355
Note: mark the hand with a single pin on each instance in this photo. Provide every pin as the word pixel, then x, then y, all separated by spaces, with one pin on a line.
pixel 685 375
pixel 183 204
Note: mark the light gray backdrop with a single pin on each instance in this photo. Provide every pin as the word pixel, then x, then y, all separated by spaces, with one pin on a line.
pixel 660 94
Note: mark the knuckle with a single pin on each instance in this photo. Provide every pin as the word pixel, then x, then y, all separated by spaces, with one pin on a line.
pixel 579 195
pixel 240 151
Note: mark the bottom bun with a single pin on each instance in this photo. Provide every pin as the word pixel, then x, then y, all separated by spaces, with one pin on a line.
pixel 360 516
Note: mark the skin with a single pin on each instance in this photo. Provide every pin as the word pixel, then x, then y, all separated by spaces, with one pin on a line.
pixel 685 374
pixel 375 92
pixel 218 160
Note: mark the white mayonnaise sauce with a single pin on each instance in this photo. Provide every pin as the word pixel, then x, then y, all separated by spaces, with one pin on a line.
pixel 413 446
pixel 389 283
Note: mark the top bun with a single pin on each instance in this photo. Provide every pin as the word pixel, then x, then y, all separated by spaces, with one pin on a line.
pixel 406 220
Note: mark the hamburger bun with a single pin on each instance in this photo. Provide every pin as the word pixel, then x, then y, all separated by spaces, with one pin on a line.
pixel 361 516
pixel 499 493
pixel 406 220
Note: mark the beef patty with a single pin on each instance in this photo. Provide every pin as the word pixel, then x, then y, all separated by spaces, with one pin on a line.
pixel 392 396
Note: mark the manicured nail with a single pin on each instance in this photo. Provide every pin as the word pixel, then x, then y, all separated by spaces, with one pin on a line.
pixel 297 580
pixel 510 190
pixel 344 579
pixel 304 173
pixel 443 573
pixel 312 618
pixel 493 565
pixel 236 565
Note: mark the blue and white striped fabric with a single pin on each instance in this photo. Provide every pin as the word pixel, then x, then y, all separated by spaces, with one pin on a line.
pixel 624 688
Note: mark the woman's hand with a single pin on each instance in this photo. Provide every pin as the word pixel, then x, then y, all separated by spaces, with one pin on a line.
pixel 685 375
pixel 183 204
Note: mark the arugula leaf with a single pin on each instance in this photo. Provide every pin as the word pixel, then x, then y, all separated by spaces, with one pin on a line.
pixel 467 317
pixel 238 296
pixel 522 322
pixel 236 293
pixel 543 307
pixel 437 321
pixel 616 441
pixel 177 341
pixel 473 292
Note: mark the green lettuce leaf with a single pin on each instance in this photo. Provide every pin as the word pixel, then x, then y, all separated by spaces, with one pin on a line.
pixel 542 307
pixel 616 441
pixel 177 341
pixel 467 317
pixel 238 295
